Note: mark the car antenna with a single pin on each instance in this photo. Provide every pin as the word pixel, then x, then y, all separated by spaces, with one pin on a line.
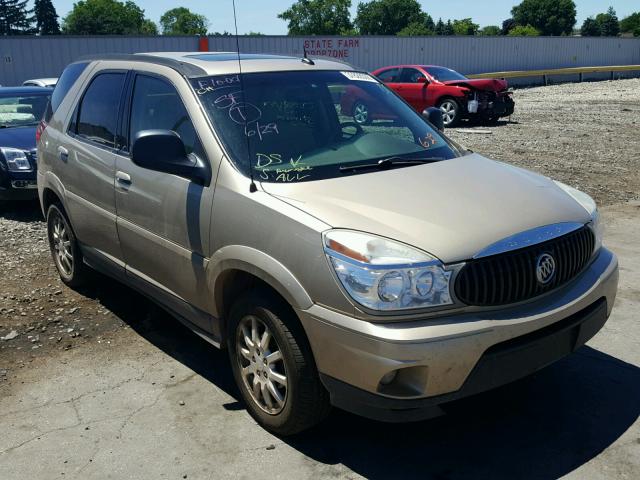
pixel 252 185
pixel 306 59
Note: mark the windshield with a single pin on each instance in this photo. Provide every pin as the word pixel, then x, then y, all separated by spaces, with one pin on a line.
pixel 303 126
pixel 444 74
pixel 21 110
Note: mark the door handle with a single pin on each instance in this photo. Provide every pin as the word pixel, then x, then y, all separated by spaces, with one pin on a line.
pixel 63 153
pixel 123 178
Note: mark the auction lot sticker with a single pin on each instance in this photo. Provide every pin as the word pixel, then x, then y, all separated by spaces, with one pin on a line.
pixel 359 76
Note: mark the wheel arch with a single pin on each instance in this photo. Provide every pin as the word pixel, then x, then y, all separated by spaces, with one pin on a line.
pixel 238 268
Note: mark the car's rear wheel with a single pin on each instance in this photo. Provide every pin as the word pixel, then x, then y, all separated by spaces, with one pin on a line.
pixel 361 113
pixel 64 247
pixel 450 111
pixel 273 365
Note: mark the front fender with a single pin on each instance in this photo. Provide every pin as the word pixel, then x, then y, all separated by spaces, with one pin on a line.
pixel 261 265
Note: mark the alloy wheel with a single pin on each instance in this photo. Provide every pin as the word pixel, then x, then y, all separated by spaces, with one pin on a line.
pixel 261 365
pixel 63 251
pixel 360 113
pixel 448 110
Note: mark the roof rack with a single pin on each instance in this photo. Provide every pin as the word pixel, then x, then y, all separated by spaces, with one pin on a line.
pixel 185 68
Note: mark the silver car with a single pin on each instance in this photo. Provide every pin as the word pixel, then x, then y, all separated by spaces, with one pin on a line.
pixel 379 268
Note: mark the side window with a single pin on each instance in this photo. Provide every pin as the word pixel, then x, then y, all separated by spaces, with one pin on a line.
pixel 157 105
pixel 98 111
pixel 391 75
pixel 65 82
pixel 410 75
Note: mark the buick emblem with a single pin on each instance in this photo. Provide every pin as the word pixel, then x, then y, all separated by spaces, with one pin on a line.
pixel 545 268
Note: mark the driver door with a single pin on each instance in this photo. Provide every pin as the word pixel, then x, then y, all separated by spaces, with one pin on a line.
pixel 163 220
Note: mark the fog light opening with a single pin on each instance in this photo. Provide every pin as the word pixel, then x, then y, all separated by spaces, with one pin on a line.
pixel 389 377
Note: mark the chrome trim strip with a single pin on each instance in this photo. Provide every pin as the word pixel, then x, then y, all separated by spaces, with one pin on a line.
pixel 528 238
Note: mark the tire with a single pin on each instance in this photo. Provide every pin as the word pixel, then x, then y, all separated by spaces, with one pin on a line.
pixel 451 113
pixel 303 400
pixel 64 247
pixel 361 113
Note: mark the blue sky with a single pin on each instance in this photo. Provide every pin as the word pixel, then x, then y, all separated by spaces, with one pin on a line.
pixel 261 15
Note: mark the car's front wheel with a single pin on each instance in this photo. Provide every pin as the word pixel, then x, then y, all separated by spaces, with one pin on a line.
pixel 273 365
pixel 450 112
pixel 64 248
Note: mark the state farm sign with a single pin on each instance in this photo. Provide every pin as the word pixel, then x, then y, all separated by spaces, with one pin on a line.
pixel 331 47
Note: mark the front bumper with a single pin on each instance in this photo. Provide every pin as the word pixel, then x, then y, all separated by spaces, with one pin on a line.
pixel 445 358
pixel 498 106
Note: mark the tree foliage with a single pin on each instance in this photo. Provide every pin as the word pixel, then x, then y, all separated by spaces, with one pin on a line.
pixel 490 30
pixel 415 29
pixel 182 21
pixel 318 17
pixel 631 23
pixel 608 22
pixel 507 25
pixel 15 18
pixel 523 31
pixel 465 27
pixel 46 17
pixel 549 17
pixel 388 17
pixel 590 28
pixel 106 17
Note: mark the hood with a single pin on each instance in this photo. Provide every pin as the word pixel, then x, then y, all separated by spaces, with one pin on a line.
pixel 18 137
pixel 489 84
pixel 451 209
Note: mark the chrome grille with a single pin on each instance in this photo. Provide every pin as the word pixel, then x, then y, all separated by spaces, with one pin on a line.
pixel 511 277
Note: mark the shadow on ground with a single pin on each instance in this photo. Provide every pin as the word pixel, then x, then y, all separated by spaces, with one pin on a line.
pixel 25 211
pixel 541 427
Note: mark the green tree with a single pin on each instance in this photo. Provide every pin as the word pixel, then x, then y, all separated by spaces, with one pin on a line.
pixel 388 17
pixel 15 19
pixel 465 27
pixel 448 28
pixel 549 17
pixel 630 23
pixel 523 31
pixel 507 25
pixel 415 29
pixel 608 22
pixel 148 27
pixel 490 31
pixel 106 17
pixel 439 27
pixel 318 17
pixel 182 21
pixel 46 17
pixel 590 28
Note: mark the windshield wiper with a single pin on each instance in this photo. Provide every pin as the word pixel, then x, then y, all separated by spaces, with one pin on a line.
pixel 387 163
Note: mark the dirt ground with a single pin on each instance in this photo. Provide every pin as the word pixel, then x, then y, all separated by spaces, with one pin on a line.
pixel 110 347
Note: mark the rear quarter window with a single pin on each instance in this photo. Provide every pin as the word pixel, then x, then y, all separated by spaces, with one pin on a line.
pixel 65 82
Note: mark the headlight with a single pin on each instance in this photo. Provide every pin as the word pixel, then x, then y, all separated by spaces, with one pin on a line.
pixel 382 274
pixel 15 159
pixel 590 206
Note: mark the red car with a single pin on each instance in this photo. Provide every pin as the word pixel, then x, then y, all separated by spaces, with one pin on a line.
pixel 424 86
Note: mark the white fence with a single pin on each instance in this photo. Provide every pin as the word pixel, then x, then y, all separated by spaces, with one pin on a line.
pixel 31 57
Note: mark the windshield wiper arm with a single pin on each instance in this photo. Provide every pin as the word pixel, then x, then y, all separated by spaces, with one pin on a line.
pixel 387 163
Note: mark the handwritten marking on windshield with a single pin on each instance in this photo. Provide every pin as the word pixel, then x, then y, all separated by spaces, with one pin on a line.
pixel 428 140
pixel 291 172
pixel 261 130
pixel 212 84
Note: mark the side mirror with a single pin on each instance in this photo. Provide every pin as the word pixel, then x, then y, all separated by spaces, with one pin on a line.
pixel 422 80
pixel 434 116
pixel 164 151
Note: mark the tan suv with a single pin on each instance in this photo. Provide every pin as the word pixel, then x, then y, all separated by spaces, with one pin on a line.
pixel 381 268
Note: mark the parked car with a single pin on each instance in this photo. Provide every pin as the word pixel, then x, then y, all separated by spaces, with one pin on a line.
pixel 41 82
pixel 379 268
pixel 424 86
pixel 20 110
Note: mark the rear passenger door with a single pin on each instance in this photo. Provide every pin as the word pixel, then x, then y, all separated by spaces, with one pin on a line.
pixel 163 219
pixel 89 153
